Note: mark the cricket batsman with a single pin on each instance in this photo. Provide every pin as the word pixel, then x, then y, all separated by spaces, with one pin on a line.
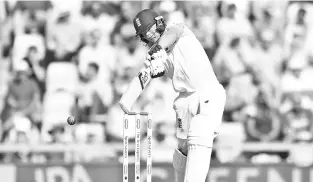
pixel 199 106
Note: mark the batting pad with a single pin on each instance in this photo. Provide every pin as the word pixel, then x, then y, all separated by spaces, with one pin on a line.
pixel 197 164
pixel 179 163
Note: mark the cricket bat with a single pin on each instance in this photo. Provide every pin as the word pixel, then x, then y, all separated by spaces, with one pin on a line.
pixel 135 88
pixel 137 85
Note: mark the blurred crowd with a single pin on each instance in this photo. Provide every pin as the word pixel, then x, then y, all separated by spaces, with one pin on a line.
pixel 76 58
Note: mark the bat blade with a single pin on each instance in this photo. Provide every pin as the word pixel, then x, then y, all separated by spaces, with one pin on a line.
pixel 135 88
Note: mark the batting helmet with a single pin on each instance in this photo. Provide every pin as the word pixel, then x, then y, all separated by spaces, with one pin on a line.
pixel 145 19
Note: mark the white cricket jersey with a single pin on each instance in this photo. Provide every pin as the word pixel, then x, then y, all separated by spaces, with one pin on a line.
pixel 189 67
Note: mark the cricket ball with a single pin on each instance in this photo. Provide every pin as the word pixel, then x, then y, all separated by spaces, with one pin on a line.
pixel 71 120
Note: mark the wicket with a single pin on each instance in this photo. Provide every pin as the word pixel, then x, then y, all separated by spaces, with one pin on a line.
pixel 137 146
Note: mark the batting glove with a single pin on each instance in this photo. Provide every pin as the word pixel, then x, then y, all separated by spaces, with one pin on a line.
pixel 157 68
pixel 157 52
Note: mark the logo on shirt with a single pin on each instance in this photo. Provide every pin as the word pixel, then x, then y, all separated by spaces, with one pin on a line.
pixel 179 123
pixel 137 21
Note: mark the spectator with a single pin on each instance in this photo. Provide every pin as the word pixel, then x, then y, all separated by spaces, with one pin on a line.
pixel 129 54
pixel 232 24
pixel 204 27
pixel 297 77
pixel 298 125
pixel 64 37
pixel 104 56
pixel 267 26
pixel 297 98
pixel 37 71
pixel 96 16
pixel 297 33
pixel 95 51
pixel 92 134
pixel 88 85
pixel 128 11
pixel 268 61
pixel 90 95
pixel 21 131
pixel 233 65
pixel 23 97
pixel 171 12
pixel 30 12
pixel 59 135
pixel 73 7
pixel 298 25
pixel 22 42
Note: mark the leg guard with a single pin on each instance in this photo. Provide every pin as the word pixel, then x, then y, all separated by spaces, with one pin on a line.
pixel 179 163
pixel 197 164
pixel 200 141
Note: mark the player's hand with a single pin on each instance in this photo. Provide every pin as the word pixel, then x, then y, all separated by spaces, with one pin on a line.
pixel 157 68
pixel 156 52
pixel 151 51
pixel 161 54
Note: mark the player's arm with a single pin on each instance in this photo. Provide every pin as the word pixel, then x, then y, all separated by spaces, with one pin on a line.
pixel 158 51
pixel 171 35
